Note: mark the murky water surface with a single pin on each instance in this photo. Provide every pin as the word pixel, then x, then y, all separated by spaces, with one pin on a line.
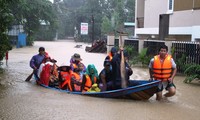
pixel 21 100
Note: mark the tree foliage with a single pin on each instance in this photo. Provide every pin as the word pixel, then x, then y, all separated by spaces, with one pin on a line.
pixel 192 72
pixel 30 13
pixel 6 18
pixel 114 12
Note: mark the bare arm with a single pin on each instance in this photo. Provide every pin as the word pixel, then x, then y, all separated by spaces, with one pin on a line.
pixel 173 75
pixel 103 78
pixel 151 74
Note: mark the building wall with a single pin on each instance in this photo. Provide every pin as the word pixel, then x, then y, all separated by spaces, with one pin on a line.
pixel 153 8
pixel 178 18
pixel 184 19
pixel 140 8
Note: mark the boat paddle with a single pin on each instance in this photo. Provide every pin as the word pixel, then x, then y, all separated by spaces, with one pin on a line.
pixel 122 65
pixel 30 76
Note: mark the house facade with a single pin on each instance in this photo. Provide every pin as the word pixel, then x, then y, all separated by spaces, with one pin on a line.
pixel 168 19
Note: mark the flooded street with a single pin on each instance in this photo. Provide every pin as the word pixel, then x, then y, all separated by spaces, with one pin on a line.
pixel 20 100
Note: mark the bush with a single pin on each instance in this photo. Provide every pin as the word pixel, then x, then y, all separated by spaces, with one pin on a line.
pixel 141 58
pixel 192 73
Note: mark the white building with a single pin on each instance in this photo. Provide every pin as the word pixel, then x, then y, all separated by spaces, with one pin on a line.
pixel 182 19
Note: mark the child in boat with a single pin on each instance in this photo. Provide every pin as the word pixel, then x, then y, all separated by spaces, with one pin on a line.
pixel 64 77
pixel 78 79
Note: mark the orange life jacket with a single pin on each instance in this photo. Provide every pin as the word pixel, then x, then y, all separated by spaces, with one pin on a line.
pixel 162 71
pixel 110 56
pixel 88 83
pixel 67 83
pixel 76 82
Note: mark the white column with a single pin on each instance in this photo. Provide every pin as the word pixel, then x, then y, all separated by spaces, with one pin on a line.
pixel 110 42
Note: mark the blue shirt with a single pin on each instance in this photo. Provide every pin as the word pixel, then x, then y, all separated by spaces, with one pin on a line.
pixel 36 60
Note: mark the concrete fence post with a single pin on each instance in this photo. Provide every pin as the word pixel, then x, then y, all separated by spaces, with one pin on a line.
pixel 110 41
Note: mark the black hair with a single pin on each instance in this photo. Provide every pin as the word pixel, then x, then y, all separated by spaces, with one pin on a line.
pixel 41 49
pixel 163 47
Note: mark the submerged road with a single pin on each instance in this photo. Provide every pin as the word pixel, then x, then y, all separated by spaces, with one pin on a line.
pixel 21 100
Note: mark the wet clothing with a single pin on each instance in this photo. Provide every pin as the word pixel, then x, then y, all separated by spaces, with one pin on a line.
pixel 80 82
pixel 116 71
pixel 74 66
pixel 109 57
pixel 108 78
pixel 92 72
pixel 162 70
pixel 35 62
pixel 65 77
pixel 165 85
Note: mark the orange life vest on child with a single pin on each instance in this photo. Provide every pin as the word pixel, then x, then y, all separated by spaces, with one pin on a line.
pixel 88 83
pixel 76 82
pixel 162 71
pixel 67 77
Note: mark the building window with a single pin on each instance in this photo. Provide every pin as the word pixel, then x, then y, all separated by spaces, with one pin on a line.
pixel 170 6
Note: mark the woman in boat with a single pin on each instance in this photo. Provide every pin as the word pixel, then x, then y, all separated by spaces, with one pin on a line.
pixel 116 70
pixel 92 72
pixel 90 77
pixel 105 77
pixel 75 60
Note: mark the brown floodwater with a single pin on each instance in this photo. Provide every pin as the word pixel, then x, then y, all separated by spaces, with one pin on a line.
pixel 21 100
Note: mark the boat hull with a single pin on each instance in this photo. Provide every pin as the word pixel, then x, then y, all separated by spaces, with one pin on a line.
pixel 141 90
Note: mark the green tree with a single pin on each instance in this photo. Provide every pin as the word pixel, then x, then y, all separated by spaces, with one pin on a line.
pixel 76 11
pixel 6 18
pixel 106 25
pixel 30 13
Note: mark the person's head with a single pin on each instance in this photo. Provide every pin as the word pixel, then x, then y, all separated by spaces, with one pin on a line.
pixel 125 54
pixel 80 66
pixel 107 64
pixel 163 50
pixel 76 57
pixel 41 50
pixel 91 69
pixel 113 51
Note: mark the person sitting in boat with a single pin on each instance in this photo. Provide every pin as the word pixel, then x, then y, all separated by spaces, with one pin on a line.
pixel 116 70
pixel 112 53
pixel 92 72
pixel 48 72
pixel 76 80
pixel 75 60
pixel 90 77
pixel 64 77
pixel 105 77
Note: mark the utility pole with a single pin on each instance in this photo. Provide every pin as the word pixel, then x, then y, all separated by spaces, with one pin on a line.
pixel 92 21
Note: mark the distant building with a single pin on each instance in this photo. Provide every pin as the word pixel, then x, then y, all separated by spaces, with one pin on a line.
pixel 168 19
